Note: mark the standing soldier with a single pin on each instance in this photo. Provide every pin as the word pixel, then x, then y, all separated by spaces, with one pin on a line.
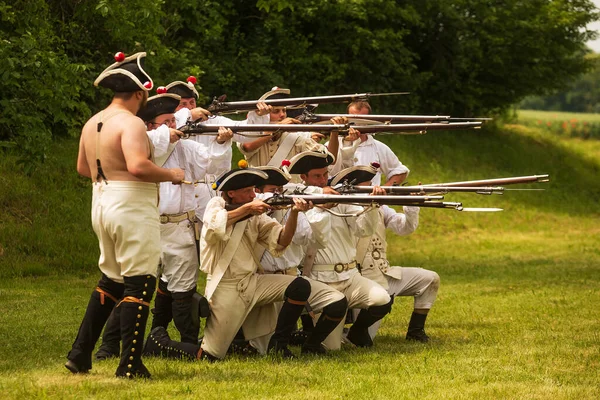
pixel 115 152
pixel 368 150
pixel 272 150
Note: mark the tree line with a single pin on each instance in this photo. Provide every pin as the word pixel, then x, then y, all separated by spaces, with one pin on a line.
pixel 459 57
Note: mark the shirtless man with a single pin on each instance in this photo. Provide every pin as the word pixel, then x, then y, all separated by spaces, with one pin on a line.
pixel 115 153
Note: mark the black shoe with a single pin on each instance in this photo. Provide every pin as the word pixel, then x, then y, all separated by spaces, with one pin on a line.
pixel 280 350
pixel 317 350
pixel 74 368
pixel 105 353
pixel 157 340
pixel 140 372
pixel 359 337
pixel 299 337
pixel 242 347
pixel 417 335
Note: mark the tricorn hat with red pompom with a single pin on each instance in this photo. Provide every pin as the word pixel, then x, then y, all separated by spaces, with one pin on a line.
pixel 126 74
pixel 164 103
pixel 184 89
pixel 357 174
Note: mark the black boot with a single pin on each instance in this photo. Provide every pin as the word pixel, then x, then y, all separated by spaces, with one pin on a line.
pixel 359 332
pixel 162 313
pixel 332 315
pixel 111 338
pixel 160 344
pixel 416 328
pixel 296 295
pixel 135 308
pixel 188 326
pixel 101 303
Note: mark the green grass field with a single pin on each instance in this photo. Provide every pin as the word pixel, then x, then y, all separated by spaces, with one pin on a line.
pixel 517 315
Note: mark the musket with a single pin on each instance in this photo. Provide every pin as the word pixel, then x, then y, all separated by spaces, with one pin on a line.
pixel 222 107
pixel 348 188
pixel 308 117
pixel 404 129
pixel 284 200
pixel 497 181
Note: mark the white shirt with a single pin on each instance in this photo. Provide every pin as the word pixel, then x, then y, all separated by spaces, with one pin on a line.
pixel 160 138
pixel 365 153
pixel 194 159
pixel 341 246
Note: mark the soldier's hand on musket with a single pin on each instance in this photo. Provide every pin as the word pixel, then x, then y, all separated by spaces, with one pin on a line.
pixel 224 135
pixel 289 120
pixel 317 137
pixel 339 120
pixel 301 205
pixel 352 135
pixel 329 190
pixel 174 135
pixel 378 191
pixel 178 175
pixel 257 207
pixel 263 108
pixel 200 114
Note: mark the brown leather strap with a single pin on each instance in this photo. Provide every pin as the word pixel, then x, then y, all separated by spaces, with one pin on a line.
pixel 296 302
pixel 103 293
pixel 131 299
pixel 158 291
pixel 332 319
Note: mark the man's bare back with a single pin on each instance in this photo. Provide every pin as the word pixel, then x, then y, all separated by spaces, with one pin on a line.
pixel 124 149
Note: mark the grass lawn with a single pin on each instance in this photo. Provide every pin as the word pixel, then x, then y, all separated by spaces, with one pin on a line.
pixel 517 315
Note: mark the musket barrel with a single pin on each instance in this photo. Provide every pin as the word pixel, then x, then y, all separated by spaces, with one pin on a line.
pixel 393 190
pixel 235 106
pixel 380 118
pixel 498 181
pixel 199 128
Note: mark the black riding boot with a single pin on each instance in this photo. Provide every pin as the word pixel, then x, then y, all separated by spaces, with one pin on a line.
pixel 332 315
pixel 135 308
pixel 111 338
pixel 296 295
pixel 182 316
pixel 101 303
pixel 359 332
pixel 162 313
pixel 416 328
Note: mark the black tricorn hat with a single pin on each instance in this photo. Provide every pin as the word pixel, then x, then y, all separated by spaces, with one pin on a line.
pixel 164 103
pixel 307 160
pixel 126 75
pixel 240 178
pixel 277 176
pixel 184 89
pixel 356 174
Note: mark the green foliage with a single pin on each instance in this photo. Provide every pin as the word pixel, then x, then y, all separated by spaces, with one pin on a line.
pixel 459 57
pixel 583 95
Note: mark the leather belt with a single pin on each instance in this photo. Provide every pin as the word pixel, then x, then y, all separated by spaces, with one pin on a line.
pixel 288 271
pixel 174 218
pixel 339 267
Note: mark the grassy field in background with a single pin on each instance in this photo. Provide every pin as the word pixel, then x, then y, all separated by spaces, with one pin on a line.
pixel 579 125
pixel 517 315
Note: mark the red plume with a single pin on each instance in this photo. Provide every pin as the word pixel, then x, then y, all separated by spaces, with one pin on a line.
pixel 148 85
pixel 192 79
pixel 286 163
pixel 161 90
pixel 120 56
pixel 375 165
